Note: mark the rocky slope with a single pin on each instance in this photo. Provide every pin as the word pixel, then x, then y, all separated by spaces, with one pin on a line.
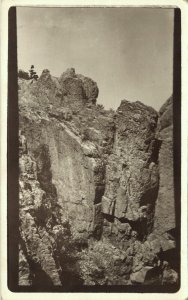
pixel 96 187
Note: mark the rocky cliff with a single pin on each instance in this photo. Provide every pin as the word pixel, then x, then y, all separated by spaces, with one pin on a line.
pixel 96 187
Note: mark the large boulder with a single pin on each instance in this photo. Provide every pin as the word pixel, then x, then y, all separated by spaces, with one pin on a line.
pixel 78 89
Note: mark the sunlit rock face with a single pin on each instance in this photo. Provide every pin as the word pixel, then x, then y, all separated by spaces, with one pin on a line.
pixel 96 187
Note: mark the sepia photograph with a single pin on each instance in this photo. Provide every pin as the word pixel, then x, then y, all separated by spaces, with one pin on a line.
pixel 94 149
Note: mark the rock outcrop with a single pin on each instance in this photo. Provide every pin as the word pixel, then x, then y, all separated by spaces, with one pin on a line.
pixel 165 205
pixel 45 237
pixel 96 186
pixel 132 171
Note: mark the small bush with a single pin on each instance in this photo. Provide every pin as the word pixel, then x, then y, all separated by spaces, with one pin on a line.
pixel 85 135
pixel 100 106
pixel 23 75
pixel 33 74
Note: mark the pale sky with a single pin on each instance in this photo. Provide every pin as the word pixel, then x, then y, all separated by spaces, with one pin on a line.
pixel 127 51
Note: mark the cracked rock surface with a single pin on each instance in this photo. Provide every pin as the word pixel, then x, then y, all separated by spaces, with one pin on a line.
pixel 96 187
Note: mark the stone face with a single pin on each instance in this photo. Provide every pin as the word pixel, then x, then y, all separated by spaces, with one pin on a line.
pixel 75 138
pixel 90 88
pixel 96 187
pixel 132 170
pixel 165 205
pixel 41 222
pixel 78 88
pixel 34 204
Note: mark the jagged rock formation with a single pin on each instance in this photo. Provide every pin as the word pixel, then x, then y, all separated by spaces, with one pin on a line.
pixel 95 182
pixel 132 170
